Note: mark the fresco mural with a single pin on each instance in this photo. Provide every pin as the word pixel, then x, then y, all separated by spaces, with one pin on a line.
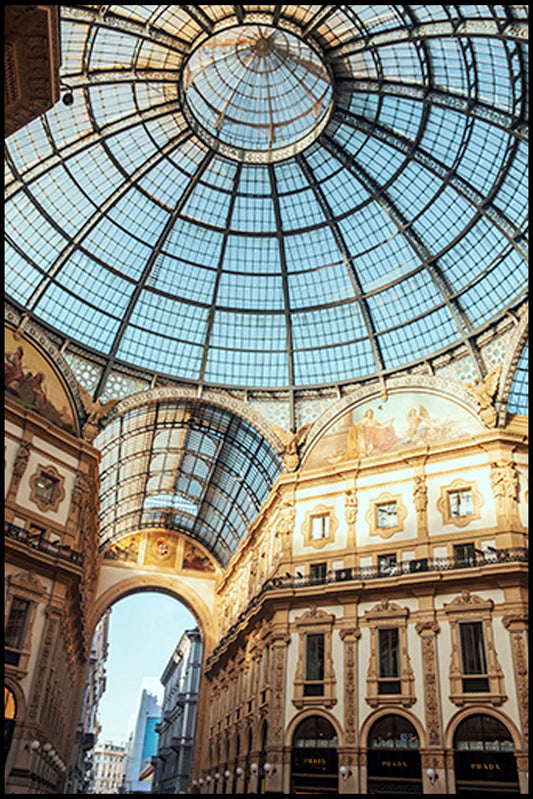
pixel 31 381
pixel 381 427
pixel 194 559
pixel 127 549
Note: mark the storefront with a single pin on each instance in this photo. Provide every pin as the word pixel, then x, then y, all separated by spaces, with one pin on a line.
pixel 393 757
pixel 314 758
pixel 484 757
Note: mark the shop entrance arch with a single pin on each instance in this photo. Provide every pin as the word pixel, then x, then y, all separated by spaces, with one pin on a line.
pixel 314 757
pixel 394 765
pixel 484 758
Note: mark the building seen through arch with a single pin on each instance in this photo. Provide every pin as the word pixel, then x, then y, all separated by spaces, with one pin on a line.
pixel 266 352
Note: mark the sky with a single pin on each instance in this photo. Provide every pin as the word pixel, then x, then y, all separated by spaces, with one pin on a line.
pixel 144 630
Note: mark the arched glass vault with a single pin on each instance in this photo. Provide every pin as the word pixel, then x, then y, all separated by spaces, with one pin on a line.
pixel 280 201
pixel 187 466
pixel 391 232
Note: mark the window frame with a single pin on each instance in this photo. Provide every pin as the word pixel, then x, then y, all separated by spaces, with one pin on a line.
pixel 320 511
pixel 314 622
pixel 472 608
pixel 372 515
pixel 388 615
pixel 52 504
pixel 443 502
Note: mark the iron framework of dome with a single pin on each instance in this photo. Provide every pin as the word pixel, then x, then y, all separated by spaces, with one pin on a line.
pixel 395 235
pixel 273 201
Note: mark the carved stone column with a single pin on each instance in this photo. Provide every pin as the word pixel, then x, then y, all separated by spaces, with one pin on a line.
pixel 279 655
pixel 517 626
pixel 427 630
pixel 350 784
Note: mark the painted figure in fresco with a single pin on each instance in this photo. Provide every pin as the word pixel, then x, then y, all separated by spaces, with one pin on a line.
pixel 369 436
pixel 420 423
pixel 13 369
pixel 193 559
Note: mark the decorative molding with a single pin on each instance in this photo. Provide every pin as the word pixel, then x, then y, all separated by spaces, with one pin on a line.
pixel 389 614
pixel 59 492
pixel 468 607
pixel 371 515
pixel 428 630
pixel 443 504
pixel 314 621
pixel 319 510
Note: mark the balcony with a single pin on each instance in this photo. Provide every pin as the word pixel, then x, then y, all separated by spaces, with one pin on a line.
pixel 489 557
pixel 37 542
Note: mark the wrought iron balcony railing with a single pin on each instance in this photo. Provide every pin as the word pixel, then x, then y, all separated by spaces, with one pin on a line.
pixel 487 557
pixel 38 542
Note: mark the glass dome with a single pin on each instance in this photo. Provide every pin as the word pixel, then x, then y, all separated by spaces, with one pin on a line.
pixel 274 197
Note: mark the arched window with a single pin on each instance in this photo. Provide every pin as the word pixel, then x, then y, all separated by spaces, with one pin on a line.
pixel 314 760
pixel 393 732
pixel 484 756
pixel 393 756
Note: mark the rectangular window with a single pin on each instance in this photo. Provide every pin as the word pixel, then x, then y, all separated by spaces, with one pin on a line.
pixel 314 664
pixel 464 555
pixel 474 657
pixel 460 502
pixel 17 623
pixel 318 572
pixel 386 515
pixel 320 526
pixel 389 661
pixel 45 488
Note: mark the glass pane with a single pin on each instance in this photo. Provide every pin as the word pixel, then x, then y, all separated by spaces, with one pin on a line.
pixel 314 661
pixel 16 623
pixel 389 661
pixel 473 648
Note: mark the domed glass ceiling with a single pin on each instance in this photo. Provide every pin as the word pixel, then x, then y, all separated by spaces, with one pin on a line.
pixel 266 196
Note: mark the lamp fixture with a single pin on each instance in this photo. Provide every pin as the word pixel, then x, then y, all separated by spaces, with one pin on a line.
pixel 217 776
pixel 208 779
pixel 68 97
pixel 201 781
pixel 35 745
pixel 269 768
pixel 227 774
pixel 345 772
pixel 238 771
pixel 47 746
pixel 432 775
pixel 254 768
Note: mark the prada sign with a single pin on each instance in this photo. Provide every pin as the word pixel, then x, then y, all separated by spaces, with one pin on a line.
pixel 486 766
pixel 394 763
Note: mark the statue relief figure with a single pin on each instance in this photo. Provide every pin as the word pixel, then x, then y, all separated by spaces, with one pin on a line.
pixel 420 494
pixel 21 460
pixel 350 506
pixel 504 480
pixel 292 441
pixel 484 392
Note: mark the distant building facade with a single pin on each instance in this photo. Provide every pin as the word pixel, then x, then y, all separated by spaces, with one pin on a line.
pixel 144 744
pixel 108 768
pixel 181 680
